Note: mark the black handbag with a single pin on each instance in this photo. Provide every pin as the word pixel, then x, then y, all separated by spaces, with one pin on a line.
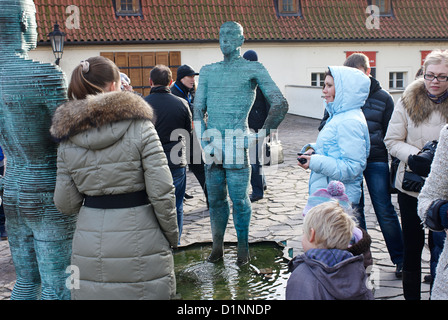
pixel 412 181
pixel 393 174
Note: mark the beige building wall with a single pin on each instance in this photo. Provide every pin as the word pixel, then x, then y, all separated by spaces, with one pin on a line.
pixel 290 64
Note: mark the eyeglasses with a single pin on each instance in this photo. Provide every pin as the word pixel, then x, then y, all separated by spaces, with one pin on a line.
pixel 431 77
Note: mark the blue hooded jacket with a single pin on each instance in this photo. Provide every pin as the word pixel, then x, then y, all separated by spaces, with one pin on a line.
pixel 343 145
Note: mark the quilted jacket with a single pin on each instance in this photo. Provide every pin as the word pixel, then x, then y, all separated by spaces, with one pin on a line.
pixel 415 121
pixel 108 145
pixel 343 145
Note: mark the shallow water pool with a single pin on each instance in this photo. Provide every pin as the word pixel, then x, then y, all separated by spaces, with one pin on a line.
pixel 264 277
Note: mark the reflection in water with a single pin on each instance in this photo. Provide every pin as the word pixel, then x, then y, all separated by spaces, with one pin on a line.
pixel 264 277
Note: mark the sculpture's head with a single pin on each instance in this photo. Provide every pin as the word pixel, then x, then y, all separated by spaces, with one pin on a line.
pixel 18 27
pixel 231 37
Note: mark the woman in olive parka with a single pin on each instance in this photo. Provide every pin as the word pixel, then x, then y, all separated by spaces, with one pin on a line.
pixel 112 173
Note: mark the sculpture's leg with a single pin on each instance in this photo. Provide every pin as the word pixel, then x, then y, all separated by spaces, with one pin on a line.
pixel 40 241
pixel 53 234
pixel 54 258
pixel 238 182
pixel 21 244
pixel 218 207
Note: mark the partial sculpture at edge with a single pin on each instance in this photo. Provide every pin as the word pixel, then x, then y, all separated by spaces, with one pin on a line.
pixel 225 95
pixel 39 236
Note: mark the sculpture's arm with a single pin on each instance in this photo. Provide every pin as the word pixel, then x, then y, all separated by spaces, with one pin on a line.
pixel 275 98
pixel 58 93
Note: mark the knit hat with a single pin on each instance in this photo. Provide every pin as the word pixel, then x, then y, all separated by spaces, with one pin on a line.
pixel 334 191
pixel 250 55
pixel 185 71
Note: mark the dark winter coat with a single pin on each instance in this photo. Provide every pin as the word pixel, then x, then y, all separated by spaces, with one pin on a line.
pixel 194 154
pixel 259 112
pixel 171 113
pixel 181 91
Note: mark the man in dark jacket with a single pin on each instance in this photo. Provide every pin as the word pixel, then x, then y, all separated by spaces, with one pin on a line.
pixel 173 123
pixel 256 119
pixel 184 88
pixel 377 111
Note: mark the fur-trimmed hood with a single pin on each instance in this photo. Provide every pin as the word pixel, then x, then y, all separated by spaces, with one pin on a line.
pixel 418 105
pixel 76 116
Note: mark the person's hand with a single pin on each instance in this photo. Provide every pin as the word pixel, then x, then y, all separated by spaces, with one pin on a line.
pixel 419 165
pixel 304 165
pixel 126 86
pixel 306 156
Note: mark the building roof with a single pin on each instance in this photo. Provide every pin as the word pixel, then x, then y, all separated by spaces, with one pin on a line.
pixel 199 21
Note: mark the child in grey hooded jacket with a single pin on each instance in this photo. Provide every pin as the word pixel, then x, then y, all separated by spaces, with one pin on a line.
pixel 327 271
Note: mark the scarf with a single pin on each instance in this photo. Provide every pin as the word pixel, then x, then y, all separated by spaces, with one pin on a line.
pixel 330 257
pixel 438 99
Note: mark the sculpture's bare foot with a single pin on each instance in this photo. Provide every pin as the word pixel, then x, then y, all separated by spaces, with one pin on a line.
pixel 243 256
pixel 216 255
pixel 242 261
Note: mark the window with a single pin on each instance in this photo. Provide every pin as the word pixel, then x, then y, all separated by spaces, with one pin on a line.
pixel 137 65
pixel 128 7
pixel 317 79
pixel 397 80
pixel 288 7
pixel 384 5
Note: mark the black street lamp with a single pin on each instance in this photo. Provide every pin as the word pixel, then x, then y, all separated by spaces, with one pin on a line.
pixel 57 42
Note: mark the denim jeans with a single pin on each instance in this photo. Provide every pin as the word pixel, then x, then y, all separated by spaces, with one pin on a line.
pixel 2 212
pixel 436 241
pixel 376 176
pixel 257 180
pixel 180 182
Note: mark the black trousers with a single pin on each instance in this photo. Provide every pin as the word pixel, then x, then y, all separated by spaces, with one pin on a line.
pixel 413 240
pixel 194 154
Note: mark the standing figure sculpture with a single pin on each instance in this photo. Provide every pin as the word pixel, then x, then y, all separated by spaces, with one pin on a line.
pixel 225 95
pixel 39 236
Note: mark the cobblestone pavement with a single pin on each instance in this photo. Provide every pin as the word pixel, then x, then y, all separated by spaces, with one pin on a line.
pixel 277 217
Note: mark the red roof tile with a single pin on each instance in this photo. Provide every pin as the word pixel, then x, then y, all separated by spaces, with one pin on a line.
pixel 177 20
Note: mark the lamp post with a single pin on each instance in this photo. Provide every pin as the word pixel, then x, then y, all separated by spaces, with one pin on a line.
pixel 57 42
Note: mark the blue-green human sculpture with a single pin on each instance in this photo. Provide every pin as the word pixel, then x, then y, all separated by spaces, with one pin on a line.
pixel 39 236
pixel 225 94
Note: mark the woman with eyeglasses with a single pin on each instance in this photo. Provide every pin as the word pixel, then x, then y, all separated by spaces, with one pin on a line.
pixel 418 117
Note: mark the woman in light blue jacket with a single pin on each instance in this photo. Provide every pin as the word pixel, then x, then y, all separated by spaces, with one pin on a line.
pixel 342 146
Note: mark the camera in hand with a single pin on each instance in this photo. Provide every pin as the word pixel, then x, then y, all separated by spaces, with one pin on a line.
pixel 301 160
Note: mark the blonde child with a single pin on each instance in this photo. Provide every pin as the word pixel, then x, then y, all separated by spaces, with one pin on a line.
pixel 327 271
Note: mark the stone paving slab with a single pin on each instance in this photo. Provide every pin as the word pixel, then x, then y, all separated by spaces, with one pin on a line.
pixel 277 217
